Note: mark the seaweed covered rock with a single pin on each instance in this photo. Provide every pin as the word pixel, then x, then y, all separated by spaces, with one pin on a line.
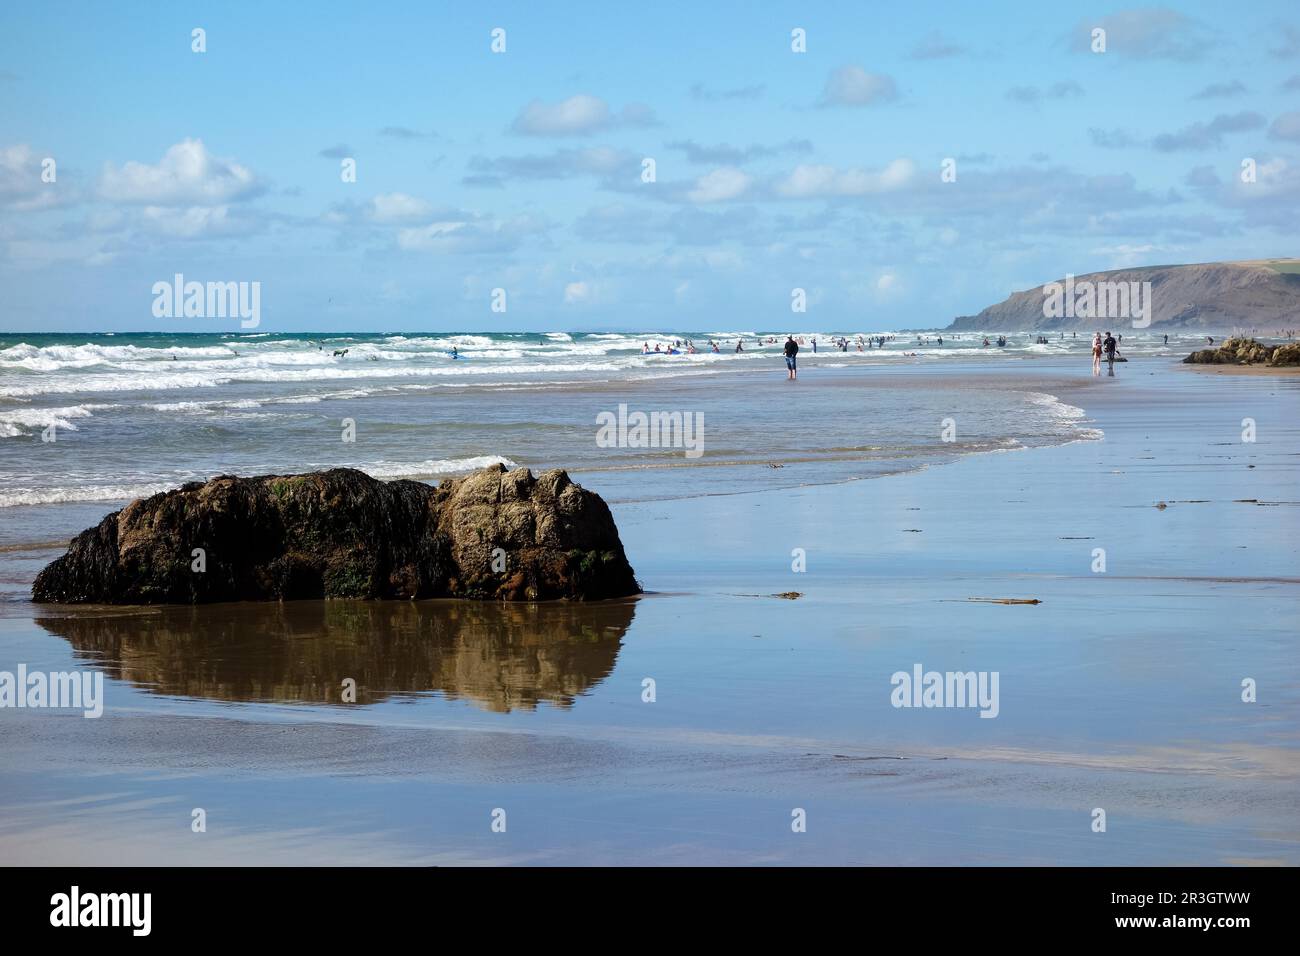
pixel 494 534
pixel 1244 351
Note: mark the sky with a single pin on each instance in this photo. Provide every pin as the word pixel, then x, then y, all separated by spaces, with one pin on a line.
pixel 911 163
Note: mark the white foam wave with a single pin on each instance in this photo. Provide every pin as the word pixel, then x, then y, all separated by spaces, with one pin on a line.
pixel 69 493
pixel 433 468
pixel 127 491
pixel 16 421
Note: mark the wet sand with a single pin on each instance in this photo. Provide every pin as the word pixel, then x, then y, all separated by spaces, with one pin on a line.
pixel 1249 369
pixel 1121 690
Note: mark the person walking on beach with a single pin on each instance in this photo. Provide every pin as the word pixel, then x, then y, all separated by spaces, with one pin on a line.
pixel 1096 353
pixel 791 350
pixel 1109 345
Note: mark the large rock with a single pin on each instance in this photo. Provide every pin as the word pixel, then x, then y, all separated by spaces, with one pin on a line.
pixel 341 533
pixel 1244 351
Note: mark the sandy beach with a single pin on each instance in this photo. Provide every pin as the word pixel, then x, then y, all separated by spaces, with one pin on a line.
pixel 1121 690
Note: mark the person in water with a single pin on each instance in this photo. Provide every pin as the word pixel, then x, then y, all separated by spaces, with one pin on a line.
pixel 740 346
pixel 1096 353
pixel 454 353
pixel 791 350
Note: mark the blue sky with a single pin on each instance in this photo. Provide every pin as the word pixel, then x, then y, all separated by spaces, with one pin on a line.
pixel 522 170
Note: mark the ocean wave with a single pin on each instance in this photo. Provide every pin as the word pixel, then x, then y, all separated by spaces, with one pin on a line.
pixel 17 421
pixel 433 468
pixel 159 381
pixel 88 490
pixel 62 494
pixel 50 357
pixel 1058 408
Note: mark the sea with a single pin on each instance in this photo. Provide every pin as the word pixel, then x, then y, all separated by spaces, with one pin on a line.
pixel 107 418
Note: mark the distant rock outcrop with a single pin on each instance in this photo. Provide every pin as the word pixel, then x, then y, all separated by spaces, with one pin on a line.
pixel 494 534
pixel 1241 351
pixel 1261 295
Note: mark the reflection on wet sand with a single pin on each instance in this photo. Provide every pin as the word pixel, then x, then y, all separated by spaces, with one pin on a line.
pixel 501 657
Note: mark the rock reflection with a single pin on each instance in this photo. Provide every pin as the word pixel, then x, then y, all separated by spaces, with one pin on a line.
pixel 501 657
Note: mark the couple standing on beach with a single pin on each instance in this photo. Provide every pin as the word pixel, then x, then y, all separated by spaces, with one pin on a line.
pixel 1108 345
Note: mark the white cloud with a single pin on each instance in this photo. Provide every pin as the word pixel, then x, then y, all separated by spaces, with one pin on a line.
pixel 21 185
pixel 720 185
pixel 1275 179
pixel 188 223
pixel 813 181
pixel 572 117
pixel 576 293
pixel 20 170
pixel 399 207
pixel 886 282
pixel 577 116
pixel 1155 33
pixel 455 236
pixel 187 175
pixel 854 86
